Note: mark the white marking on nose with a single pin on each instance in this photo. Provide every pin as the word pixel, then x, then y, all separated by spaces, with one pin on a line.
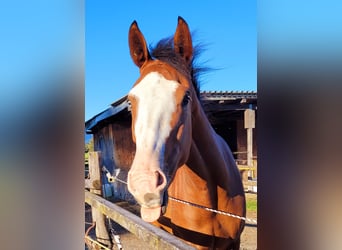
pixel 156 103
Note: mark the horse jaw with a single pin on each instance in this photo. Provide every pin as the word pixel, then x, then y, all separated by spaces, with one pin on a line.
pixel 150 214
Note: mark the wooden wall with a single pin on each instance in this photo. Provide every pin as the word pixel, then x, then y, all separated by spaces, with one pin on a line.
pixel 115 143
pixel 103 141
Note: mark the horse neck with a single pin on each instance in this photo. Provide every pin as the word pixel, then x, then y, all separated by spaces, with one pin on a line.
pixel 210 156
pixel 202 131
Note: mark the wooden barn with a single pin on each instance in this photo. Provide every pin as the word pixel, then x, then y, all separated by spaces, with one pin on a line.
pixel 232 115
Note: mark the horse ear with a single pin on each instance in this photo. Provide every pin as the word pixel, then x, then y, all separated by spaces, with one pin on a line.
pixel 137 45
pixel 182 40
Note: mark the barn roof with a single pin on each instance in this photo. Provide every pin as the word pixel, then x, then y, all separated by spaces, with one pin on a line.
pixel 228 95
pixel 220 107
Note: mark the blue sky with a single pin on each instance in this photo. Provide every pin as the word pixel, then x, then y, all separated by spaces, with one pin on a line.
pixel 227 27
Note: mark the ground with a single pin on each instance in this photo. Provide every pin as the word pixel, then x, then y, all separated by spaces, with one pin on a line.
pixel 248 237
pixel 249 234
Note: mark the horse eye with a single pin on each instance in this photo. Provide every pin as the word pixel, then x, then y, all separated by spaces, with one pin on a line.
pixel 186 99
pixel 129 105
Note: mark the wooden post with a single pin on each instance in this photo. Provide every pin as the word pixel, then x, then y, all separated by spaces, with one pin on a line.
pixel 249 125
pixel 96 188
pixel 249 148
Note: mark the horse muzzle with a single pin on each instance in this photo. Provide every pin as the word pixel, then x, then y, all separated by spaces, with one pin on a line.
pixel 148 190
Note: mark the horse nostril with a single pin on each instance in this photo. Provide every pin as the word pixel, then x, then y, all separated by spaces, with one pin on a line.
pixel 160 178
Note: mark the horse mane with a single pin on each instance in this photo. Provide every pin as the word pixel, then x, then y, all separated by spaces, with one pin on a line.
pixel 164 51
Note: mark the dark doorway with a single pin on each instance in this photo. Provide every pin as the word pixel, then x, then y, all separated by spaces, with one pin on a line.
pixel 227 131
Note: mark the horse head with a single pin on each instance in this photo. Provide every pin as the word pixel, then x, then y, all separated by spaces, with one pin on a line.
pixel 161 117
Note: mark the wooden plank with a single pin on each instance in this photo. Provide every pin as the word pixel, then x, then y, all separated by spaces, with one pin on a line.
pixel 96 188
pixel 249 116
pixel 245 167
pixel 155 237
pixel 88 183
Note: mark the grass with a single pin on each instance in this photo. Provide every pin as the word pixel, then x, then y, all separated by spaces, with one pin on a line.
pixel 251 204
pixel 86 158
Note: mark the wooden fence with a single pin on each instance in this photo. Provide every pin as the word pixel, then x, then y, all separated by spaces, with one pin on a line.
pixel 155 237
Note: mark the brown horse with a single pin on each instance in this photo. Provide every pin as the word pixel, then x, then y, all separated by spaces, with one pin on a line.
pixel 178 153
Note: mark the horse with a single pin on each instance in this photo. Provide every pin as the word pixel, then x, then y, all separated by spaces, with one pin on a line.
pixel 178 153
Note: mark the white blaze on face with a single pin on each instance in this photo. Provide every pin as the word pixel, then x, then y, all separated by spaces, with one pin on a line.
pixel 155 97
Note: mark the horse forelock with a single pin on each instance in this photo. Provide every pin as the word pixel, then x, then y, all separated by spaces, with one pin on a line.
pixel 164 51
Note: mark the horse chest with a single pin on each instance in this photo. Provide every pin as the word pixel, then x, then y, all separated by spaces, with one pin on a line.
pixel 189 187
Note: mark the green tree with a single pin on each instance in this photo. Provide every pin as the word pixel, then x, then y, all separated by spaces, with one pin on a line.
pixel 88 147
